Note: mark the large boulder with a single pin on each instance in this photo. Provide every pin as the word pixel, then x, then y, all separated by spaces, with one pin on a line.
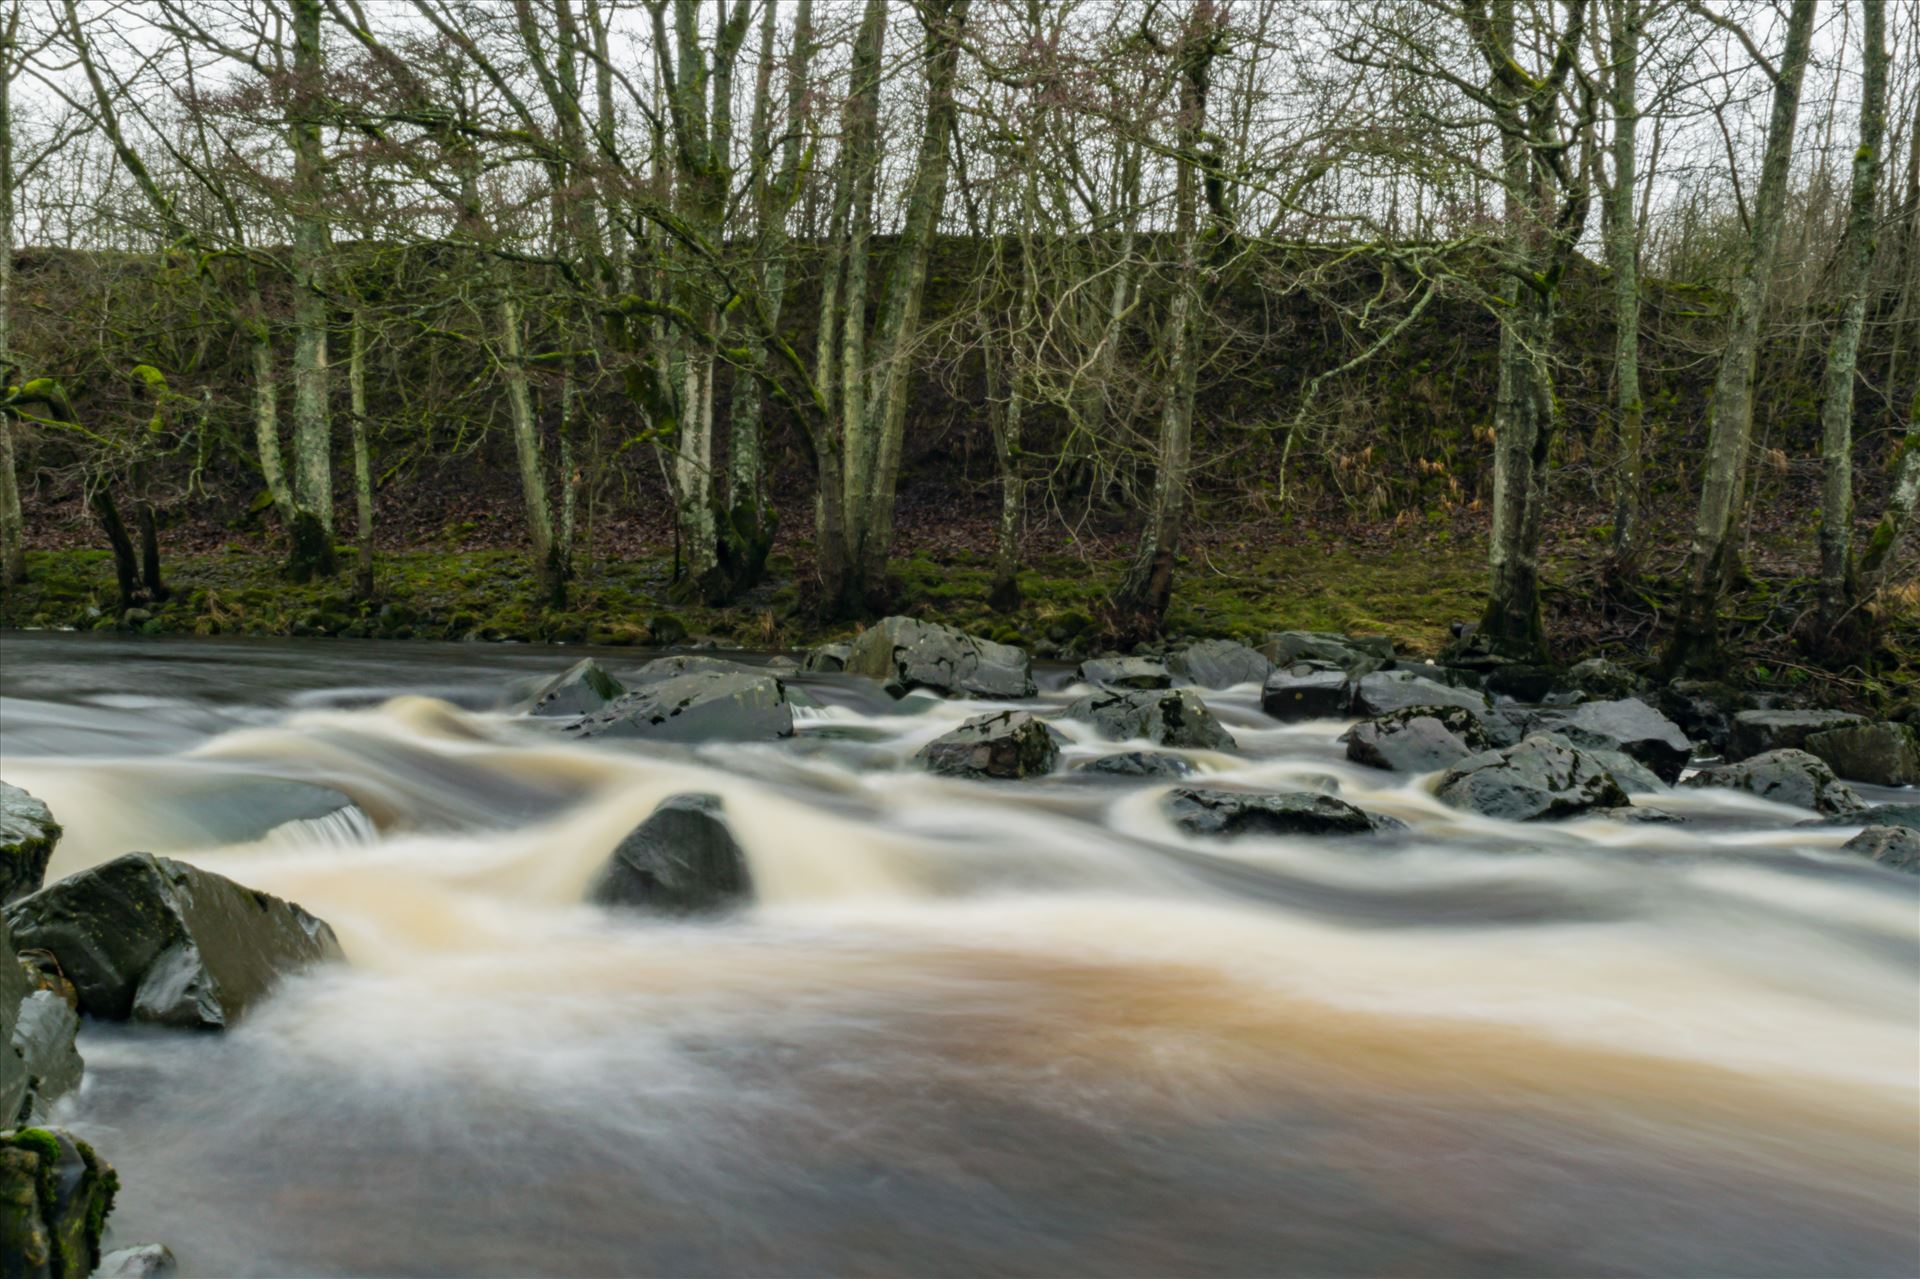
pixel 1125 672
pixel 828 659
pixel 1627 725
pixel 1220 664
pixel 55 1195
pixel 1004 745
pixel 150 939
pixel 1229 813
pixel 1882 754
pixel 1785 777
pixel 699 706
pixel 1704 710
pixel 905 654
pixel 1757 732
pixel 28 834
pixel 581 689
pixel 1355 654
pixel 1418 739
pixel 1543 777
pixel 682 860
pixel 661 669
pixel 1396 690
pixel 38 1061
pixel 1894 847
pixel 1138 764
pixel 1307 690
pixel 1174 717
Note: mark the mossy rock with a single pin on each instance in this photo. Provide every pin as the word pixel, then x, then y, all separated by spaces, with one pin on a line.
pixel 55 1196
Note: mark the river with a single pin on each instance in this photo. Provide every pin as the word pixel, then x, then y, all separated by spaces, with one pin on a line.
pixel 965 1029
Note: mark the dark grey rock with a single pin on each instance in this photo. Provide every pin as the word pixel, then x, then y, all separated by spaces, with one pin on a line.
pixel 826 659
pixel 681 860
pixel 1627 725
pixel 1639 816
pixel 1786 777
pixel 1704 710
pixel 151 939
pixel 1907 815
pixel 1417 739
pixel 1544 777
pixel 1230 813
pixel 43 1041
pixel 1220 664
pixel 1757 732
pixel 1634 777
pixel 1523 682
pixel 1307 691
pixel 1882 754
pixel 1356 655
pixel 28 835
pixel 1172 717
pixel 1004 745
pixel 661 669
pixel 142 1261
pixel 1138 764
pixel 1125 672
pixel 1384 691
pixel 1600 678
pixel 1894 847
pixel 699 706
pixel 905 654
pixel 580 689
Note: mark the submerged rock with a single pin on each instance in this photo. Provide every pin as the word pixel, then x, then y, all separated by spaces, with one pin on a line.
pixel 1543 777
pixel 1758 732
pixel 1627 725
pixel 142 1261
pixel 1004 745
pixel 1417 739
pixel 1895 847
pixel 1385 691
pixel 1125 672
pixel 55 1195
pixel 580 689
pixel 1220 664
pixel 1307 690
pixel 1639 816
pixel 1138 764
pixel 1786 777
pixel 1229 813
pixel 1174 717
pixel 699 706
pixel 150 939
pixel 1881 754
pixel 28 835
pixel 905 654
pixel 682 860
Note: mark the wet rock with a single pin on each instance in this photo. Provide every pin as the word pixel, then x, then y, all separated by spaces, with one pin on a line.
pixel 1704 710
pixel 1882 754
pixel 1895 847
pixel 581 689
pixel 1597 677
pixel 1907 815
pixel 1523 683
pixel 699 706
pixel 827 659
pixel 1220 664
pixel 1638 816
pixel 661 669
pixel 1385 691
pixel 1785 777
pixel 1757 732
pixel 1627 725
pixel 28 834
pixel 38 1061
pixel 1634 777
pixel 1543 778
pixel 1417 739
pixel 1175 717
pixel 1004 745
pixel 1356 655
pixel 150 939
pixel 55 1195
pixel 142 1261
pixel 905 654
pixel 1230 813
pixel 1307 690
pixel 1138 764
pixel 1125 672
pixel 681 860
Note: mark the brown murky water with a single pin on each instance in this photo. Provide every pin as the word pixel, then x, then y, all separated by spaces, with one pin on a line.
pixel 1014 1030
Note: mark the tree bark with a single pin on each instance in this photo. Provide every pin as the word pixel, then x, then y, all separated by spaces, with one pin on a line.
pixel 312 433
pixel 1625 19
pixel 1696 636
pixel 531 456
pixel 13 546
pixel 362 460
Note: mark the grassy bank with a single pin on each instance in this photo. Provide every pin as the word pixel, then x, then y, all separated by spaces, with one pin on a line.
pixel 1410 593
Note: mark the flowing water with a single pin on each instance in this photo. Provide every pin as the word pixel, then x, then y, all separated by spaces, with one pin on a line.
pixel 964 1029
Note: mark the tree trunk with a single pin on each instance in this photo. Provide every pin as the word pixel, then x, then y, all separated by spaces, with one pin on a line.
pixel 1624 20
pixel 13 545
pixel 312 531
pixel 362 461
pixel 1882 550
pixel 266 422
pixel 527 449
pixel 126 570
pixel 1696 637
pixel 1838 583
